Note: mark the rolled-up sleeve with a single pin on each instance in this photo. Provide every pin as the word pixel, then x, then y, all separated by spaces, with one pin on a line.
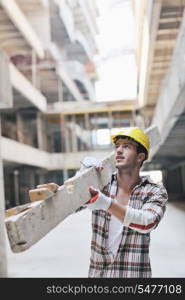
pixel 148 217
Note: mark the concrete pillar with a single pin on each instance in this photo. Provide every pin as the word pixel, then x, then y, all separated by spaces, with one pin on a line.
pixel 35 72
pixel 88 128
pixel 95 146
pixel 65 175
pixel 67 135
pixel 63 132
pixel 20 127
pixel 26 182
pixel 40 177
pixel 16 187
pixel 41 132
pixel 173 184
pixel 6 94
pixel 3 255
pixel 81 137
pixel 183 179
pixel 67 140
pixel 110 122
pixel 74 137
pixel 60 90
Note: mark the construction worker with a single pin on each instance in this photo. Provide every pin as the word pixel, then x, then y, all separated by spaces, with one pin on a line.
pixel 125 212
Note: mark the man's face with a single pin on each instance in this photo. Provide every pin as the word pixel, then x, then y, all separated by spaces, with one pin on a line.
pixel 125 154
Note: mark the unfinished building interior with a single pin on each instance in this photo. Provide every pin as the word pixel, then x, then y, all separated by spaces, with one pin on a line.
pixel 50 119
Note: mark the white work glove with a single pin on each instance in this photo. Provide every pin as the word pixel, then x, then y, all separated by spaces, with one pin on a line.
pixel 98 200
pixel 90 161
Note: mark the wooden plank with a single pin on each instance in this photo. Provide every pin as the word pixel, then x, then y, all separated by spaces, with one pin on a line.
pixel 170 20
pixel 165 44
pixel 29 226
pixel 167 31
pixel 32 222
pixel 174 3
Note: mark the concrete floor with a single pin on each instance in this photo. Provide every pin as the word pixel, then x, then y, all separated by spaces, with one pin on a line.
pixel 65 251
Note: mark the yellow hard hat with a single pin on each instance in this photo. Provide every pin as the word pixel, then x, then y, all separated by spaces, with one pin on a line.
pixel 135 133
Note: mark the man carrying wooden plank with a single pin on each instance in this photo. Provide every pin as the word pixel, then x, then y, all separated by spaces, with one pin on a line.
pixel 123 219
pixel 125 208
pixel 125 211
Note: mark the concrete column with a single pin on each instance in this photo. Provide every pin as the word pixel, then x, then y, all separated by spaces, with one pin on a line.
pixel 88 127
pixel 60 90
pixel 96 128
pixel 26 182
pixel 6 94
pixel 173 183
pixel 41 132
pixel 40 177
pixel 16 187
pixel 80 138
pixel 110 123
pixel 65 174
pixel 67 144
pixel 183 179
pixel 3 255
pixel 20 127
pixel 74 137
pixel 63 132
pixel 35 73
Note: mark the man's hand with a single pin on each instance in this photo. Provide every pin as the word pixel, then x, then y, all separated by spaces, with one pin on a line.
pixel 50 186
pixel 90 161
pixel 98 200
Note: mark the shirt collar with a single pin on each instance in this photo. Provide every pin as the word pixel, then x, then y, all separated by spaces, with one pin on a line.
pixel 144 179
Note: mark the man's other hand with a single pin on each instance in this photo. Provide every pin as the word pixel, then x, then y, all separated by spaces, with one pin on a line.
pixel 98 200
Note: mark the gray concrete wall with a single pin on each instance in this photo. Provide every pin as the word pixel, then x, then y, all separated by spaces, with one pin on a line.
pixel 173 182
pixel 3 257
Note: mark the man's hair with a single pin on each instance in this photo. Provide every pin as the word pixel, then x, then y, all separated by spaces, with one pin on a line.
pixel 139 147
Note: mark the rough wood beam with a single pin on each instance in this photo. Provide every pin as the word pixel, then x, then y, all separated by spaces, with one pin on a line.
pixel 171 25
pixel 167 31
pixel 9 35
pixel 165 37
pixel 6 93
pixel 173 3
pixel 157 59
pixel 161 64
pixel 153 90
pixel 13 42
pixel 154 84
pixel 29 226
pixel 163 52
pixel 165 44
pixel 157 77
pixel 170 20
pixel 158 71
pixel 6 26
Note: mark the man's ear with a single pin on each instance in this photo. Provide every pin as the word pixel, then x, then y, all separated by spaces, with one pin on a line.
pixel 141 157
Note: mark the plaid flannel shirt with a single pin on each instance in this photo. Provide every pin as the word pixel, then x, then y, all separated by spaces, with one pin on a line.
pixel 132 258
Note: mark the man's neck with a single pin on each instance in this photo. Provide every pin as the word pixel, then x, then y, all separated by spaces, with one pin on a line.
pixel 128 180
